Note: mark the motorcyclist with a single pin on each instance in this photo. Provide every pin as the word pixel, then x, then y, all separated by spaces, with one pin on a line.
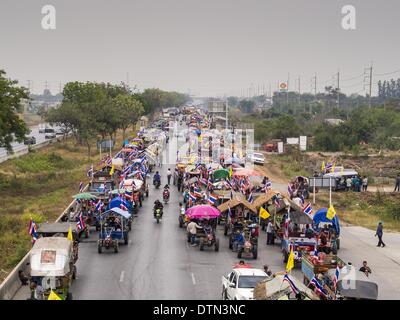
pixel 166 192
pixel 156 178
pixel 158 205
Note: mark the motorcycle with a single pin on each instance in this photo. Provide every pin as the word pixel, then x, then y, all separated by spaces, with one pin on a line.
pixel 157 183
pixel 158 215
pixel 165 196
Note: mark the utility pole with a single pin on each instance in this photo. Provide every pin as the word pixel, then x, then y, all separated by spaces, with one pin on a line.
pixel 29 85
pixel 299 94
pixel 338 89
pixel 287 91
pixel 313 88
pixel 60 87
pixel 368 77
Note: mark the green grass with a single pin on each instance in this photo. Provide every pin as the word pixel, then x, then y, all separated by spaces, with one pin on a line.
pixel 291 167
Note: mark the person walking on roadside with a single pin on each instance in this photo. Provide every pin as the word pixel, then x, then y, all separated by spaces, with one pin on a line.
pixel 169 175
pixel 397 186
pixel 364 183
pixel 192 230
pixel 270 233
pixel 379 233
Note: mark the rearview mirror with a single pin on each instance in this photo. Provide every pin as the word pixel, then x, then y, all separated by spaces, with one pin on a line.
pixel 232 285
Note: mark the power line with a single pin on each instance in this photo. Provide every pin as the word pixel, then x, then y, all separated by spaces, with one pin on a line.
pixel 352 78
pixel 385 74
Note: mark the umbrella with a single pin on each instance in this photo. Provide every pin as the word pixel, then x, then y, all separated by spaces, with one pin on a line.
pixel 203 212
pixel 221 174
pixel 117 191
pixel 138 183
pixel 84 196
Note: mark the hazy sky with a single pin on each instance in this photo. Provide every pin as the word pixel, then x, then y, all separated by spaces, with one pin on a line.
pixel 210 47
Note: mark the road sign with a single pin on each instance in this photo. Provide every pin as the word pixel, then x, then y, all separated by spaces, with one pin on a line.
pixel 105 144
pixel 283 86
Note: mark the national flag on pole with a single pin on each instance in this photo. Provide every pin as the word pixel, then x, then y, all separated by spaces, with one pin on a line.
pixel 328 167
pixel 336 277
pixel 323 166
pixel 123 207
pixel 197 192
pixel 250 198
pixel 80 223
pixel 264 214
pixel 32 230
pixel 90 171
pixel 290 262
pixel 276 202
pixel 212 199
pixel 290 189
pixel 192 197
pixel 318 287
pixel 307 209
pixel 302 199
pixel 99 206
pixel 333 168
pixel 121 184
pixel 268 185
pixel 81 186
pixel 291 283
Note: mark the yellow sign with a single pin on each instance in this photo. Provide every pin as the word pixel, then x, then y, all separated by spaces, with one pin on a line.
pixel 264 213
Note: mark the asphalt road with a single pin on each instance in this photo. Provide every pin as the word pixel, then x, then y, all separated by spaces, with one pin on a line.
pixel 40 137
pixel 158 263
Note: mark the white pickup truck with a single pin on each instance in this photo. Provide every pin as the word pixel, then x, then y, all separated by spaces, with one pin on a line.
pixel 240 283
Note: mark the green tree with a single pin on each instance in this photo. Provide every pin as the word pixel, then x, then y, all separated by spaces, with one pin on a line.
pixel 12 127
pixel 128 111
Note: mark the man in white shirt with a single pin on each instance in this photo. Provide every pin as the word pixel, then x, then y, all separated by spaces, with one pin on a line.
pixel 192 230
pixel 270 233
pixel 169 175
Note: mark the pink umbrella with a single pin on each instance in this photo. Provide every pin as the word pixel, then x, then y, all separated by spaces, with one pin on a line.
pixel 202 211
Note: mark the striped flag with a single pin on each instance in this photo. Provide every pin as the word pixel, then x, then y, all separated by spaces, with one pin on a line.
pixel 276 202
pixel 197 192
pixel 336 277
pixel 290 189
pixel 318 287
pixel 212 199
pixel 123 207
pixel 32 230
pixel 80 223
pixel 250 198
pixel 307 209
pixel 291 283
pixel 99 206
pixel 90 171
pixel 192 197
pixel 81 186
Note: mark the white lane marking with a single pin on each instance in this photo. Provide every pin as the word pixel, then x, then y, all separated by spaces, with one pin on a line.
pixel 121 278
pixel 193 279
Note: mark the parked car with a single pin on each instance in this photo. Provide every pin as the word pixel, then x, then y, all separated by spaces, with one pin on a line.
pixel 30 140
pixel 257 158
pixel 50 135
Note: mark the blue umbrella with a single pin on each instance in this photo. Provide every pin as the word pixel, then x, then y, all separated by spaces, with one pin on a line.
pixel 320 216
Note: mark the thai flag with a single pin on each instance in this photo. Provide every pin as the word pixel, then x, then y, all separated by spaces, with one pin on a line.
pixel 32 230
pixel 197 192
pixel 250 198
pixel 291 283
pixel 99 206
pixel 302 199
pixel 121 184
pixel 212 199
pixel 290 189
pixel 204 182
pixel 336 276
pixel 81 186
pixel 276 201
pixel 307 209
pixel 268 185
pixel 80 224
pixel 328 167
pixel 123 207
pixel 192 197
pixel 127 170
pixel 108 161
pixel 90 171
pixel 318 287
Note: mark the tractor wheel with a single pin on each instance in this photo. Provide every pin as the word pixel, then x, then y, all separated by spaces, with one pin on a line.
pixel 285 257
pixel 201 245
pixel 337 244
pixel 225 230
pixel 99 248
pixel 216 245
pixel 126 239
pixel 255 252
pixel 116 247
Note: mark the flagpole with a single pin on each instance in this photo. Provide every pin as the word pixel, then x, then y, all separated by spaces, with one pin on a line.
pixel 314 192
pixel 330 191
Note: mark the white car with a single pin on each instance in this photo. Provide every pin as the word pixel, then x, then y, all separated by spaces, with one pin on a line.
pixel 257 158
pixel 240 283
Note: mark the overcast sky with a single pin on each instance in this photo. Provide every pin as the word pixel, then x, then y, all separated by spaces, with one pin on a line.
pixel 207 47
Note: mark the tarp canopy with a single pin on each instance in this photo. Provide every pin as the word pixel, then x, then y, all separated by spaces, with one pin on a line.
pixel 50 256
pixel 118 211
pixel 116 203
pixel 221 174
pixel 320 217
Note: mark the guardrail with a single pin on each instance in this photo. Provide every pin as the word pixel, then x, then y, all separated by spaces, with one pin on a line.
pixel 11 284
pixel 24 151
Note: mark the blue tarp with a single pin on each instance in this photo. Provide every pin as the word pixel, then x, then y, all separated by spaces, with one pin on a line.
pixel 320 216
pixel 116 203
